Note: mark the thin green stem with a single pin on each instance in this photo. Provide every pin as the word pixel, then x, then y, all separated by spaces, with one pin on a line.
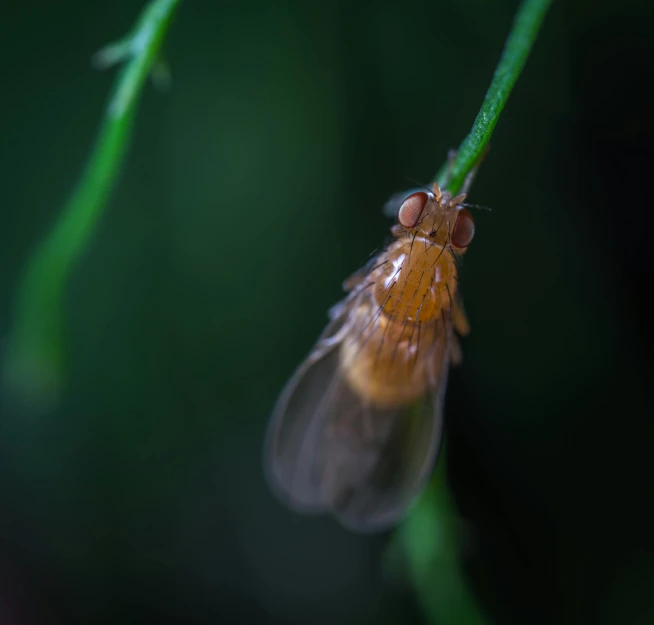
pixel 431 536
pixel 34 361
pixel 523 34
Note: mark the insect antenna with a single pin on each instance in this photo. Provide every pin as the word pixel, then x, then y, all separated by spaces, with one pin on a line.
pixel 424 186
pixel 477 206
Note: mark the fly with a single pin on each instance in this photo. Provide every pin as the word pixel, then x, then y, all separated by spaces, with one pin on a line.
pixel 357 429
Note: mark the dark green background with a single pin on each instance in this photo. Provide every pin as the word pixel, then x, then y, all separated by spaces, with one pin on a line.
pixel 251 189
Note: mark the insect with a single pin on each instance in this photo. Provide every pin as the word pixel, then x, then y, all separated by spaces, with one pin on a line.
pixel 357 429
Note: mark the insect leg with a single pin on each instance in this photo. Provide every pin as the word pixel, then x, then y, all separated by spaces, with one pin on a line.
pixel 456 355
pixel 459 317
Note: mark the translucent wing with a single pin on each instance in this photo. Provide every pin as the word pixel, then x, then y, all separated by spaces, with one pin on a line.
pixel 330 450
pixel 392 206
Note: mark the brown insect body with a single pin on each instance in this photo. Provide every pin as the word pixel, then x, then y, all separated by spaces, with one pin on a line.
pixel 358 427
pixel 415 294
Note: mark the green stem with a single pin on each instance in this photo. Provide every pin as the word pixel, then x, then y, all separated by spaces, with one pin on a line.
pixel 34 361
pixel 430 537
pixel 516 50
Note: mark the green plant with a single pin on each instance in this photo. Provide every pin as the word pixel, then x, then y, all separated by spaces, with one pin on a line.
pixel 34 364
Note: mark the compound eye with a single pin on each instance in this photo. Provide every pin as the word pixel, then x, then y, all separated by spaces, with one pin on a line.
pixel 464 229
pixel 412 208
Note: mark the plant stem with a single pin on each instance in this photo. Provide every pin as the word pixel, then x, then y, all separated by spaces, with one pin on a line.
pixel 430 537
pixel 523 34
pixel 34 362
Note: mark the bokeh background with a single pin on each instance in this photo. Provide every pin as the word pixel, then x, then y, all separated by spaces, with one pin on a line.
pixel 251 189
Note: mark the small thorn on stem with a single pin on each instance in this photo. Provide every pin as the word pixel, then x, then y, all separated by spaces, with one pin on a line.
pixel 112 54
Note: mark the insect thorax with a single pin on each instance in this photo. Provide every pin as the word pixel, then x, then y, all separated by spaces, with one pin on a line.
pixel 416 283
